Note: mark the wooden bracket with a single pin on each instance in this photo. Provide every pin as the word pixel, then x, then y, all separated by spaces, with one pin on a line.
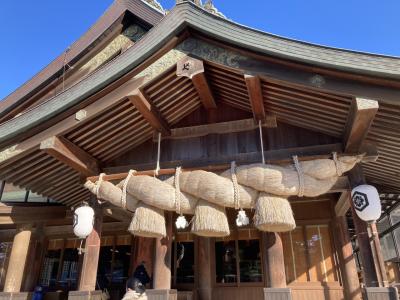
pixel 361 115
pixel 253 84
pixel 149 111
pixel 68 153
pixel 193 68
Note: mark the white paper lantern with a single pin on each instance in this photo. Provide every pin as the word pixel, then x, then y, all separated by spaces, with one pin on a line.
pixel 83 221
pixel 181 222
pixel 242 219
pixel 367 203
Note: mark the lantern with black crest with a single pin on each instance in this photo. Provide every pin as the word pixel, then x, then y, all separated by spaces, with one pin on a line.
pixel 366 202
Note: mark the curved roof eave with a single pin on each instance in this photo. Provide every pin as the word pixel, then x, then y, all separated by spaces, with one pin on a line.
pixel 148 14
pixel 185 15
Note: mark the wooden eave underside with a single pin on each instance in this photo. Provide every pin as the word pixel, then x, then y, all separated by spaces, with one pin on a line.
pixel 120 127
pixel 113 15
pixel 352 65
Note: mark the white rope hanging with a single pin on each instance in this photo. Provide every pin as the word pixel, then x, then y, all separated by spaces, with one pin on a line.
pixel 98 183
pixel 241 219
pixel 158 154
pixel 261 142
pixel 339 170
pixel 181 222
pixel 300 174
pixel 123 196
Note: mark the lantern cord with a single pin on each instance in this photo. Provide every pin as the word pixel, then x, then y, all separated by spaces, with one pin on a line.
pixel 124 186
pixel 158 154
pixel 300 174
pixel 177 191
pixel 261 142
pixel 339 170
pixel 235 185
pixel 80 247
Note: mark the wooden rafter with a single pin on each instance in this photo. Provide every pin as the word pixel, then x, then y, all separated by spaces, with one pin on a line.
pixel 253 84
pixel 98 107
pixel 71 155
pixel 361 115
pixel 193 68
pixel 149 111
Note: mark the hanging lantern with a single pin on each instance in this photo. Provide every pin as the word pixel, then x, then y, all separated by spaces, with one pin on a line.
pixel 242 219
pixel 83 221
pixel 181 222
pixel 366 202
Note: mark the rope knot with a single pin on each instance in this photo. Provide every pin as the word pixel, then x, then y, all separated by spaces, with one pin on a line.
pixel 339 170
pixel 124 186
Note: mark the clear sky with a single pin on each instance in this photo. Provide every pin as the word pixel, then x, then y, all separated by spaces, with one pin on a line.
pixel 33 32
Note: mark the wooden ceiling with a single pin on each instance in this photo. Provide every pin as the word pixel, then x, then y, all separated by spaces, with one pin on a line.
pixel 168 98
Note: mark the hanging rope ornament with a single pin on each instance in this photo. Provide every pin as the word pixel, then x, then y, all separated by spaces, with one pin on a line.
pixel 181 222
pixel 242 219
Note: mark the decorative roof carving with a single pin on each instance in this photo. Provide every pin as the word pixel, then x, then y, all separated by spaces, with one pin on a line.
pixel 155 4
pixel 208 6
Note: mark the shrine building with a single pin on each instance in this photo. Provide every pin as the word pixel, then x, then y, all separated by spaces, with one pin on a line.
pixel 228 162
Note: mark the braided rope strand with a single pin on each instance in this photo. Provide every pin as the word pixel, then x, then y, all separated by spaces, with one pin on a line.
pixel 124 186
pixel 177 191
pixel 235 185
pixel 300 175
pixel 339 170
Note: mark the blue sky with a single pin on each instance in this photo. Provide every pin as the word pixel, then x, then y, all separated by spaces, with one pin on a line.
pixel 35 32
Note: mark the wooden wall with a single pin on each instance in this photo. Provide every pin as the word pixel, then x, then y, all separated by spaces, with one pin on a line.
pixel 317 293
pixel 220 145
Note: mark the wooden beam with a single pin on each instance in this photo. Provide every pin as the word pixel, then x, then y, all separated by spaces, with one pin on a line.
pixel 253 84
pixel 117 214
pixel 17 214
pixel 149 111
pixel 193 68
pixel 71 155
pixel 213 128
pixel 13 153
pixel 361 115
pixel 343 204
pixel 281 156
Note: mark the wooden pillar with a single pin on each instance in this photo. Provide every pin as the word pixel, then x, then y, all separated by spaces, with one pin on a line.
pixel 204 274
pixel 143 250
pixel 19 253
pixel 87 280
pixel 378 256
pixel 274 265
pixel 37 252
pixel 162 260
pixel 349 268
pixel 373 276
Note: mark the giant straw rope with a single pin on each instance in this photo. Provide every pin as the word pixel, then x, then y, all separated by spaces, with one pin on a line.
pixel 263 187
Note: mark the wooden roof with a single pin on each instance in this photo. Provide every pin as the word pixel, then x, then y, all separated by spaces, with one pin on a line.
pixel 139 92
pixel 111 17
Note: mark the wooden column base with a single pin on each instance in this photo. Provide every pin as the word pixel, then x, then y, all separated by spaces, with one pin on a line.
pixel 277 294
pixel 380 293
pixel 16 296
pixel 84 295
pixel 162 294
